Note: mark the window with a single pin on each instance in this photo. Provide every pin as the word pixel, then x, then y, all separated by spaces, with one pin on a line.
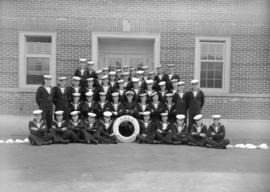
pixel 37 57
pixel 212 63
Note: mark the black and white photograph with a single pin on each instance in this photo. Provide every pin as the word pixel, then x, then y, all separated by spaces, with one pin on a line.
pixel 135 95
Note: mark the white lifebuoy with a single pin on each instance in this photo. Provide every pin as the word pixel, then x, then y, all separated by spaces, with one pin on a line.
pixel 121 137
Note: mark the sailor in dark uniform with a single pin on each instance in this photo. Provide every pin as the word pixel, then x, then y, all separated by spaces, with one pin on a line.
pixel 105 71
pixel 180 130
pixel 142 105
pixel 91 88
pixel 114 106
pixel 125 69
pixel 162 91
pixel 146 71
pixel 121 90
pixel 142 84
pixel 92 129
pixel 118 74
pixel 135 88
pixel 126 81
pixel 106 134
pixel 132 72
pixel 149 90
pixel 100 108
pixel 38 130
pixel 216 134
pixel 89 66
pixel 82 72
pixel 76 125
pixel 44 100
pixel 97 83
pixel 105 87
pixel 59 128
pixel 130 106
pixel 76 105
pixel 173 86
pixel 180 99
pixel 147 129
pixel 76 88
pixel 155 107
pixel 164 131
pixel 88 105
pixel 158 75
pixel 61 97
pixel 113 81
pixel 195 101
pixel 172 74
pixel 170 107
pixel 198 132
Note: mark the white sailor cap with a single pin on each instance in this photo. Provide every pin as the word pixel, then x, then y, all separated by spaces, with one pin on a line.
pixel 73 113
pixel 126 73
pixel 181 83
pixel 135 80
pixel 142 94
pixel 153 94
pixel 129 93
pixel 174 80
pixel 169 94
pixel 91 114
pixel 120 81
pixel 149 81
pixel 159 66
pixel 90 62
pixel 170 65
pixel 76 94
pixel 146 113
pixel 62 78
pixel 104 77
pixel 98 72
pixel 125 67
pixel 90 79
pixel 89 94
pixel 180 117
pixel 151 73
pixel 37 112
pixel 145 67
pixel 198 117
pixel 164 114
pixel 132 69
pixel 82 60
pixel 47 77
pixel 216 116
pixel 59 112
pixel 112 73
pixel 118 70
pixel 76 78
pixel 105 69
pixel 140 72
pixel 194 81
pixel 107 114
pixel 115 94
pixel 102 93
pixel 162 83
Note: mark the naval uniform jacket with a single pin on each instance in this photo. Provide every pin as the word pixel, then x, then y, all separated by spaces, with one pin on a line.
pixel 77 127
pixel 61 99
pixel 155 111
pixel 87 107
pixel 183 132
pixel 148 129
pixel 37 129
pixel 194 129
pixel 114 108
pixel 59 127
pixel 218 130
pixel 85 75
pixel 44 99
pixel 129 108
pixel 181 103
pixel 73 90
pixel 195 104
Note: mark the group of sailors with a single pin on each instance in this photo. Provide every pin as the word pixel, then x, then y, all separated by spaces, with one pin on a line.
pixel 167 109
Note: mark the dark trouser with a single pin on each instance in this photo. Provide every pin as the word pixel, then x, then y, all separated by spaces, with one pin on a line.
pixel 164 137
pixel 197 141
pixel 47 114
pixel 107 139
pixel 148 138
pixel 217 144
pixel 90 137
pixel 179 139
pixel 38 140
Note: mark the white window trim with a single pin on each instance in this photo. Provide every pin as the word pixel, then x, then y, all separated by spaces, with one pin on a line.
pixel 22 66
pixel 227 63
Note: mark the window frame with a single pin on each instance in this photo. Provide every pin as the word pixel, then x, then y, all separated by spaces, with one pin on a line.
pixel 22 58
pixel 226 67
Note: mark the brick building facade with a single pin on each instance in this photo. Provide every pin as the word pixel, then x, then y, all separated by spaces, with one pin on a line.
pixel 179 30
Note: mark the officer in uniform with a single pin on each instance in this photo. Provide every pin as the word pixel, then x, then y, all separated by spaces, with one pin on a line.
pixel 44 99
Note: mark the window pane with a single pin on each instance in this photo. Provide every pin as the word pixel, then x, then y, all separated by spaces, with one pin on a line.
pixel 36 67
pixel 219 51
pixel 204 48
pixel 204 66
pixel 210 74
pixel 218 75
pixel 218 84
pixel 211 52
pixel 38 45
pixel 210 83
pixel 203 74
pixel 203 83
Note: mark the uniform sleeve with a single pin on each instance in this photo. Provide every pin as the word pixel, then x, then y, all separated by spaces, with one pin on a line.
pixel 202 100
pixel 38 96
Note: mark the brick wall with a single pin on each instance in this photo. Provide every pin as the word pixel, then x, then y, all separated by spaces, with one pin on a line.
pixel 246 22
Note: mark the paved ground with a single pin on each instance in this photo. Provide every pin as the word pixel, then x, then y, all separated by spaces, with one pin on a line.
pixel 132 167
